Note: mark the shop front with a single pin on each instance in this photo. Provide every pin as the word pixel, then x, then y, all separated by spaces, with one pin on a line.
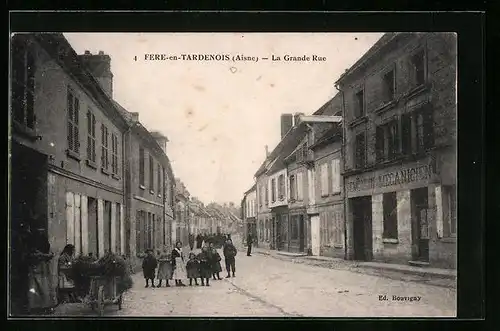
pixel 395 214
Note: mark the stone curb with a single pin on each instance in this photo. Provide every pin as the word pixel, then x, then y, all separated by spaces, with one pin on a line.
pixel 419 272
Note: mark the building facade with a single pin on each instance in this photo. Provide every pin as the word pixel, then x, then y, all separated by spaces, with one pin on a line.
pixel 66 148
pixel 78 152
pixel 249 211
pixel 400 157
pixel 180 231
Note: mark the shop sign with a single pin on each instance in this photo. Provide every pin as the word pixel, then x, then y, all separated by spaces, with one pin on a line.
pixel 399 177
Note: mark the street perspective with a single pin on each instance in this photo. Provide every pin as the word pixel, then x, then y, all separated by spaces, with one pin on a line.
pixel 232 175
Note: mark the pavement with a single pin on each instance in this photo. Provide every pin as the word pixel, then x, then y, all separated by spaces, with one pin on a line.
pixel 434 276
pixel 271 287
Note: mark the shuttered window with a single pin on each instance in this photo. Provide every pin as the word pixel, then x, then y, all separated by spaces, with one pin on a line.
pixel 114 154
pixel 23 82
pixel 73 111
pixel 300 186
pixel 293 187
pixel 104 147
pixel 335 175
pixel 91 136
pixel 142 160
pixel 380 143
pixel 360 151
pixel 406 134
pixel 324 179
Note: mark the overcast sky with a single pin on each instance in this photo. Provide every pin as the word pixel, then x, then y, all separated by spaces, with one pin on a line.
pixel 219 116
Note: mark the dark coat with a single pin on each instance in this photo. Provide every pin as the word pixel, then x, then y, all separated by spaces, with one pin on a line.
pixel 215 261
pixel 149 265
pixel 249 240
pixel 193 268
pixel 230 251
pixel 204 265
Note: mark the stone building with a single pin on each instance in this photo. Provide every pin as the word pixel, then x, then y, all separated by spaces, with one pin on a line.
pixel 67 173
pixel 180 227
pixel 326 198
pixel 400 159
pixel 249 212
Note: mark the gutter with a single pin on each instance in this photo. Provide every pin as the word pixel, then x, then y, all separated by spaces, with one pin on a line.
pixel 343 153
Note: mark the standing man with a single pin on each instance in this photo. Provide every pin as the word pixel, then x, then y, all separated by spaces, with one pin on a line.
pixel 191 241
pixel 249 244
pixel 230 257
pixel 199 241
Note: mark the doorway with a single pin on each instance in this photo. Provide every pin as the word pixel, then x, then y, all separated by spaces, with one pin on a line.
pixel 301 233
pixel 420 224
pixel 362 228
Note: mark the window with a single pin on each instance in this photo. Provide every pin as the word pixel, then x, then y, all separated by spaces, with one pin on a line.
pixel 73 123
pixel 424 128
pixel 292 188
pixel 267 194
pixel 158 178
pixel 450 215
pixel 324 179
pixel 418 68
pixel 91 153
pixel 406 134
pixel 151 173
pixel 23 83
pixel 339 229
pixel 273 189
pixel 300 186
pixel 387 141
pixel 388 86
pixel 104 147
pixel 335 175
pixel 138 232
pixel 359 106
pixel 324 229
pixel 114 154
pixel 142 160
pixel 360 151
pixel 261 195
pixel 281 187
pixel 390 210
pixel 294 228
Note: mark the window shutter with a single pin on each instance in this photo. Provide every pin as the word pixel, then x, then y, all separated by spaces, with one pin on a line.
pixel 335 175
pixel 379 141
pixel 406 133
pixel 76 118
pixel 428 127
pixel 300 186
pixel 324 179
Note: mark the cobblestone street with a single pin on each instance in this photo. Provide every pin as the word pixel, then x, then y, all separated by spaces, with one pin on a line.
pixel 269 287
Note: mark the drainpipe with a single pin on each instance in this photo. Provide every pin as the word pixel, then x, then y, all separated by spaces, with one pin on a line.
pixel 342 153
pixel 125 178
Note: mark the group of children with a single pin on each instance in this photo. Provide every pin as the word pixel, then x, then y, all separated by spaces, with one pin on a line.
pixel 204 265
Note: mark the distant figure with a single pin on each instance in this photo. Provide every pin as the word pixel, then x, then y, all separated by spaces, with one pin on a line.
pixel 205 268
pixel 249 244
pixel 199 241
pixel 191 241
pixel 230 257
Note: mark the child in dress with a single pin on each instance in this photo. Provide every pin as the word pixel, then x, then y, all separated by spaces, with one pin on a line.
pixel 165 269
pixel 149 265
pixel 205 266
pixel 216 267
pixel 193 271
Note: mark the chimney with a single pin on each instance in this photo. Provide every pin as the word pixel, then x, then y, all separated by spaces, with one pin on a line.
pixel 161 140
pixel 296 118
pixel 267 151
pixel 100 67
pixel 135 116
pixel 286 123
